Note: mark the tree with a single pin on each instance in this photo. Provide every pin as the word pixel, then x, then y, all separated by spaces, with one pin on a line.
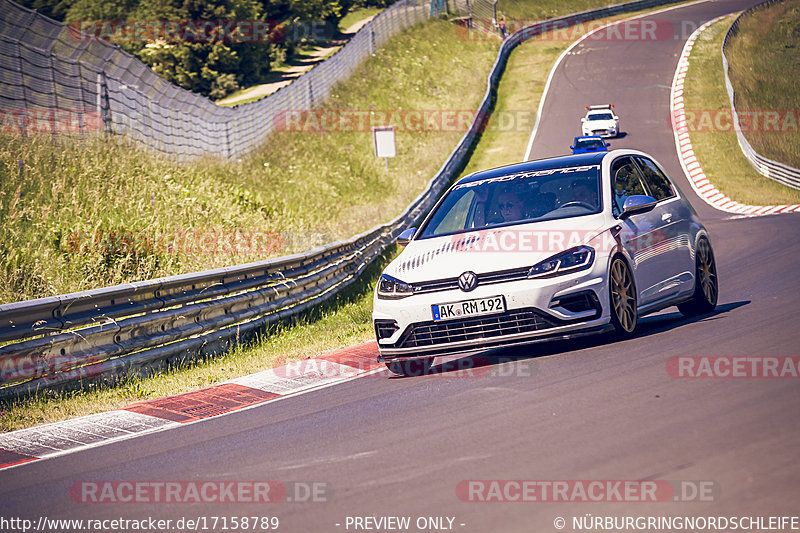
pixel 95 10
pixel 55 9
pixel 206 59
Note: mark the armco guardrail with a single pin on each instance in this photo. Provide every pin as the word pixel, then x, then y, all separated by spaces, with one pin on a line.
pixel 779 172
pixel 106 332
pixel 46 66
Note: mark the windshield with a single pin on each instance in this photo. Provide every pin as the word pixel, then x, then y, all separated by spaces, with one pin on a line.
pixel 601 116
pixel 590 143
pixel 517 198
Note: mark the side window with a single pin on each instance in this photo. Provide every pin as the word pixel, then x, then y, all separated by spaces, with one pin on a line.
pixel 657 182
pixel 626 180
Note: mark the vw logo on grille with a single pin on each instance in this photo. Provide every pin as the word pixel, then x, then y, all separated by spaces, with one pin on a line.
pixel 467 281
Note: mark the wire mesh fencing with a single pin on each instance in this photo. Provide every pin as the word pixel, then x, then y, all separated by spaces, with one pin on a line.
pixel 54 79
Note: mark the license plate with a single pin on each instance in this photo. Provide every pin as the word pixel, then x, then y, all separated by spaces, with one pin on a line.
pixel 467 308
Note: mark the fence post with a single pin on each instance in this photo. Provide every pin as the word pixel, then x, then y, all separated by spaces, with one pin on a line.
pixel 23 126
pixel 229 148
pixel 55 93
pixel 100 114
pixel 81 96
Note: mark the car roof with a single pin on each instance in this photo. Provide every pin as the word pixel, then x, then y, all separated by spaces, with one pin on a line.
pixel 578 160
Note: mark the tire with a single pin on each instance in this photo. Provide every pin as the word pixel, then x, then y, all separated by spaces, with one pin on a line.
pixel 410 367
pixel 622 297
pixel 706 285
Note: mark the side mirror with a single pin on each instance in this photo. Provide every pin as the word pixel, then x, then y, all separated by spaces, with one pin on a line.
pixel 608 145
pixel 405 237
pixel 583 119
pixel 636 204
pixel 571 146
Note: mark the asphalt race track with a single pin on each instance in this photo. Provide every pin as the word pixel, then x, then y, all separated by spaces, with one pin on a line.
pixel 588 410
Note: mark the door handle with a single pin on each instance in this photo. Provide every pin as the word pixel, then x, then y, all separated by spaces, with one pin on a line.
pixel 666 217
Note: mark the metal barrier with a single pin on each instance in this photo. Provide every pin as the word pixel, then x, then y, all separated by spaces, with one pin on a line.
pixel 774 170
pixel 105 332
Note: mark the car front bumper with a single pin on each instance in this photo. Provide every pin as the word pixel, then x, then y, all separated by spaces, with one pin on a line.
pixel 535 311
pixel 605 133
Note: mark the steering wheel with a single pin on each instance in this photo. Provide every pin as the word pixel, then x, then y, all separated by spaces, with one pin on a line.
pixel 578 202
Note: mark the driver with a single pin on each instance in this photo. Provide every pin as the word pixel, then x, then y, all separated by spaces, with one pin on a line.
pixel 510 206
pixel 583 192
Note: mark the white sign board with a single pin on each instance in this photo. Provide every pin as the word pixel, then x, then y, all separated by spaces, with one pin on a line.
pixel 383 137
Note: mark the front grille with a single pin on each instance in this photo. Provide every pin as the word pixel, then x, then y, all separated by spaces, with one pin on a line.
pixel 500 276
pixel 480 327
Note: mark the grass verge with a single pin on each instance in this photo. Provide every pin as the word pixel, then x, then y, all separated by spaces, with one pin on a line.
pixel 717 149
pixel 534 11
pixel 357 15
pixel 764 57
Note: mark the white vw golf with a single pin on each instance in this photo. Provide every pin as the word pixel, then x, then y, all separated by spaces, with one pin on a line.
pixel 554 248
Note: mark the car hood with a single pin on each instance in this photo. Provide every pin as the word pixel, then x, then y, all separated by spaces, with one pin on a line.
pixel 597 124
pixel 493 249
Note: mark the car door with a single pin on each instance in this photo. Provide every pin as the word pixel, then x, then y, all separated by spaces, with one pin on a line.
pixel 674 257
pixel 642 235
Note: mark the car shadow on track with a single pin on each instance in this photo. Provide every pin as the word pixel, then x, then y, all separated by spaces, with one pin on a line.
pixel 651 325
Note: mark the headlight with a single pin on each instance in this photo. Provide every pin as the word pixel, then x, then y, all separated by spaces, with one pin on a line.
pixel 390 288
pixel 573 260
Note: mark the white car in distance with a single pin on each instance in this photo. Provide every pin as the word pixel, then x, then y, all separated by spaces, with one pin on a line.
pixel 600 120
